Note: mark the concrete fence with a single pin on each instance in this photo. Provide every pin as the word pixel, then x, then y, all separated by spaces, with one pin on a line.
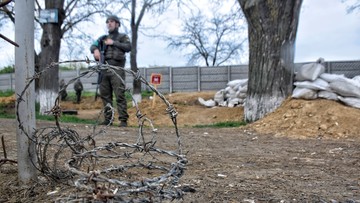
pixel 189 79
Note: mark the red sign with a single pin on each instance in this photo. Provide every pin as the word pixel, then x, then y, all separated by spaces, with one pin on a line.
pixel 155 79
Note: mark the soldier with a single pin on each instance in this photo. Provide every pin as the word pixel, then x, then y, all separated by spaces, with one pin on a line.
pixel 78 87
pixel 112 48
pixel 63 93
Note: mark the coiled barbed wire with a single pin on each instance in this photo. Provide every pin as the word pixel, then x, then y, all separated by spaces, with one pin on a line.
pixel 63 154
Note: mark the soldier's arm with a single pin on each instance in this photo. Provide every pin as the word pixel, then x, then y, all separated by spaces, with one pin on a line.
pixel 96 44
pixel 123 44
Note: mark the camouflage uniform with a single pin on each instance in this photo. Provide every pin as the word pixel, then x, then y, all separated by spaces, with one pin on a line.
pixel 114 55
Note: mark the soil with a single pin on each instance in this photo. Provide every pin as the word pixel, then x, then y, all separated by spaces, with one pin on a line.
pixel 305 151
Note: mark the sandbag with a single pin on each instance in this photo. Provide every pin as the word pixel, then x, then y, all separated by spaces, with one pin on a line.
pixel 234 102
pixel 350 101
pixel 244 89
pixel 309 71
pixel 317 84
pixel 240 94
pixel 219 96
pixel 207 103
pixel 304 93
pixel 356 78
pixel 346 88
pixel 229 93
pixel 332 77
pixel 328 95
pixel 234 83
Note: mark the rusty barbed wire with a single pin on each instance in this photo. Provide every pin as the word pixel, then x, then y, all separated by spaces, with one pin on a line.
pixel 63 155
pixel 5 159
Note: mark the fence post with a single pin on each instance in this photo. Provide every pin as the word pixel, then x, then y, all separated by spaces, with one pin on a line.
pixel 170 80
pixel 328 67
pixel 145 72
pixel 11 81
pixel 199 78
pixel 228 73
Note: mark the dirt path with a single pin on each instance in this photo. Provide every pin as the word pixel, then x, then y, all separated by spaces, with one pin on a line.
pixel 231 165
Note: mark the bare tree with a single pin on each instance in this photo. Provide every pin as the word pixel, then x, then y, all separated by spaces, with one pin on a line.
pixel 213 41
pixel 137 10
pixel 355 6
pixel 272 28
pixel 70 14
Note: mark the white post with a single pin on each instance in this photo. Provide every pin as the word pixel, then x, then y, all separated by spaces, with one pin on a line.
pixel 24 68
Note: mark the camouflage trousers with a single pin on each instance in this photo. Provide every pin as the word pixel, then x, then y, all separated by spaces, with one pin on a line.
pixel 111 83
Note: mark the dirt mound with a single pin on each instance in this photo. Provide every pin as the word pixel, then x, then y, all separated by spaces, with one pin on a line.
pixel 189 110
pixel 311 118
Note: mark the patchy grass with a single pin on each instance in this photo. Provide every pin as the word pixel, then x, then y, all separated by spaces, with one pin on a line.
pixel 65 119
pixel 6 93
pixel 7 110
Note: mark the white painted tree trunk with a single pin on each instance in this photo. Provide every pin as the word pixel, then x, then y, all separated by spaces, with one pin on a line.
pixel 137 98
pixel 50 51
pixel 272 27
pixel 24 68
pixel 47 100
pixel 258 106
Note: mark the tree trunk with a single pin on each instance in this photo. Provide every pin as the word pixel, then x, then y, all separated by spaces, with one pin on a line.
pixel 272 27
pixel 50 50
pixel 133 54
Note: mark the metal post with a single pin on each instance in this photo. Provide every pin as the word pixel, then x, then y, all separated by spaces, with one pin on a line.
pixel 24 68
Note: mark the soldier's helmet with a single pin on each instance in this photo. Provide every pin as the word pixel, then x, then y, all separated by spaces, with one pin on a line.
pixel 114 18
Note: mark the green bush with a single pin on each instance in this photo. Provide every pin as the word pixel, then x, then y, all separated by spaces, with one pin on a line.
pixel 68 67
pixel 7 69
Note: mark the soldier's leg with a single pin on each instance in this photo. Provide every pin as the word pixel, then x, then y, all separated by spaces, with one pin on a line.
pixel 78 97
pixel 119 90
pixel 106 96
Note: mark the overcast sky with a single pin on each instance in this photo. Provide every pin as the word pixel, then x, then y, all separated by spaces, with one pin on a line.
pixel 325 30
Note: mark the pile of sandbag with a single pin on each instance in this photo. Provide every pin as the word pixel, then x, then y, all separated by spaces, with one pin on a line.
pixel 311 82
pixel 233 95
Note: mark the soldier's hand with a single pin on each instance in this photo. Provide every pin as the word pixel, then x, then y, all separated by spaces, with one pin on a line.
pixel 109 41
pixel 97 54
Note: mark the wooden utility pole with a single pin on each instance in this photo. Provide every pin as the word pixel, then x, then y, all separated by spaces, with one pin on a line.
pixel 24 69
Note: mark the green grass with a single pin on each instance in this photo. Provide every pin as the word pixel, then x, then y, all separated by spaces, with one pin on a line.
pixel 6 115
pixel 6 93
pixel 65 119
pixel 72 95
pixel 144 94
pixel 7 111
pixel 227 124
